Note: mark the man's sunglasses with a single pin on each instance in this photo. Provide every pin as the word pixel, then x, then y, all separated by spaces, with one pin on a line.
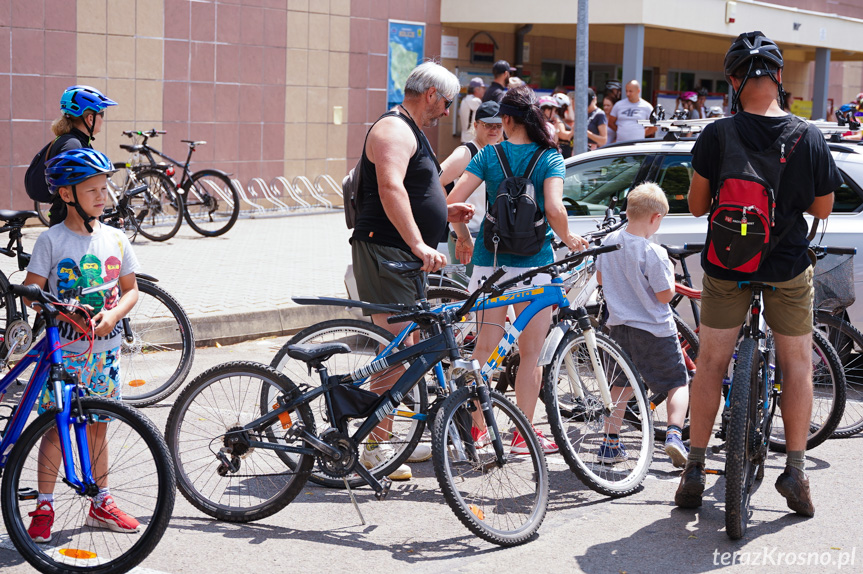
pixel 445 99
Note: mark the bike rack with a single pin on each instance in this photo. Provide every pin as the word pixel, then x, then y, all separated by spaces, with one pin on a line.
pixel 264 195
pixel 291 192
pixel 329 181
pixel 313 191
pixel 241 190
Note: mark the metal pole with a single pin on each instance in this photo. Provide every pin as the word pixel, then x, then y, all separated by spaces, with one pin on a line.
pixel 822 83
pixel 579 144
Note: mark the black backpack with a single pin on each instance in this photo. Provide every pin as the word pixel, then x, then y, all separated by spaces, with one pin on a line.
pixel 514 224
pixel 742 215
pixel 34 180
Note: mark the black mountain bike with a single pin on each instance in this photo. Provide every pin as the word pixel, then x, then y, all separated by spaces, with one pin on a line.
pixel 239 459
pixel 211 202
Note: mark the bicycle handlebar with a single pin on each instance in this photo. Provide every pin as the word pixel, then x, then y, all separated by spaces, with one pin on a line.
pixel 836 250
pixel 568 261
pixel 150 134
pixel 34 293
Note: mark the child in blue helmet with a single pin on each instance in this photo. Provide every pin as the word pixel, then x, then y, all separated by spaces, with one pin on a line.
pixel 67 259
pixel 83 109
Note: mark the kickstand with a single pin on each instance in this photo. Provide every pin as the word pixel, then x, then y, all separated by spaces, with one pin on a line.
pixel 354 500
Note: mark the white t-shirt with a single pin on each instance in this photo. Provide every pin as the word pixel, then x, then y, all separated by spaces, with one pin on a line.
pixel 76 266
pixel 627 115
pixel 466 112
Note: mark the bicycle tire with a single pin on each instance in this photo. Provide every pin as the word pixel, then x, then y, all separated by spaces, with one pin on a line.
pixel 160 355
pixel 847 340
pixel 576 413
pixel 492 510
pixel 218 400
pixel 364 339
pixel 158 212
pixel 199 195
pixel 740 468
pixel 74 547
pixel 828 404
pixel 689 345
pixel 8 311
pixel 42 210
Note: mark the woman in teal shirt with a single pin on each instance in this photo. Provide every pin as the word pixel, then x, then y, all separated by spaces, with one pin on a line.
pixel 524 126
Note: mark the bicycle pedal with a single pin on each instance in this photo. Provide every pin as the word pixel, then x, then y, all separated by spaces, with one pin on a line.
pixel 27 494
pixel 386 483
pixel 716 472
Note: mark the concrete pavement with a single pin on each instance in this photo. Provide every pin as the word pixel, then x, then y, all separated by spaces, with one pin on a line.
pixel 239 286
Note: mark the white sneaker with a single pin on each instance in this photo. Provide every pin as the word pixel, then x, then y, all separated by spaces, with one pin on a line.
pixel 375 454
pixel 421 453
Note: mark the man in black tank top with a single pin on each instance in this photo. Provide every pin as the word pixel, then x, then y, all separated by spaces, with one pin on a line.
pixel 402 216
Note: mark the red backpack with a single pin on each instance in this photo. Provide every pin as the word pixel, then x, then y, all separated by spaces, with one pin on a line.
pixel 742 214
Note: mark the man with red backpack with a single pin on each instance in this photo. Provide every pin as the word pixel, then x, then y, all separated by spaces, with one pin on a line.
pixel 757 234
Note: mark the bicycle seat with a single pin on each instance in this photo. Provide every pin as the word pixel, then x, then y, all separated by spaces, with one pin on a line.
pixel 688 249
pixel 316 353
pixel 10 214
pixel 407 268
pixel 194 143
pixel 132 148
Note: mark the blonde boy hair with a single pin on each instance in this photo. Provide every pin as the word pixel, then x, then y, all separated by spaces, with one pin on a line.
pixel 646 200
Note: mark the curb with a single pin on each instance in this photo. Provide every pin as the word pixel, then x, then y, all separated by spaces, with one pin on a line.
pixel 231 328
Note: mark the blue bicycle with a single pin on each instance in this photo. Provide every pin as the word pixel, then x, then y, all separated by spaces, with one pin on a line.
pixel 84 444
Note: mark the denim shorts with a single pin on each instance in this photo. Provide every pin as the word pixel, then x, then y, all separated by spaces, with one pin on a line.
pixel 659 360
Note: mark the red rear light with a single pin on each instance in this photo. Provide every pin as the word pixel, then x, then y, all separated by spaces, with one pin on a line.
pixel 170 171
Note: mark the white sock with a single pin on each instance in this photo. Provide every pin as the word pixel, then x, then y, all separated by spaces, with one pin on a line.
pixel 49 498
pixel 103 493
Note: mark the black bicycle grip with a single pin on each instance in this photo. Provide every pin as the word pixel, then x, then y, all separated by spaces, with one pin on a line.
pixel 693 246
pixel 137 190
pixel 840 250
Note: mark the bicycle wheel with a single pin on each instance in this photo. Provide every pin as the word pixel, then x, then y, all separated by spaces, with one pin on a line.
pixel 848 342
pixel 139 473
pixel 828 401
pixel 576 414
pixel 8 313
pixel 689 346
pixel 212 203
pixel 745 449
pixel 42 210
pixel 501 503
pixel 205 428
pixel 158 211
pixel 366 340
pixel 158 356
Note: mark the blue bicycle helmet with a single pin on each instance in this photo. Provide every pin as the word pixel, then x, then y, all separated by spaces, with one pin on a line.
pixel 78 99
pixel 74 166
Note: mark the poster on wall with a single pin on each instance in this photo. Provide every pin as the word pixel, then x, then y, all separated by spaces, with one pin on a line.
pixel 406 50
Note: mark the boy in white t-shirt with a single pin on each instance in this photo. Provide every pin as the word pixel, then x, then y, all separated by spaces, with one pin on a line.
pixel 638 283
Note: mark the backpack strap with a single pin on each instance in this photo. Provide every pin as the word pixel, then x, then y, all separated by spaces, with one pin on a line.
pixel 533 161
pixel 471 147
pixel 504 163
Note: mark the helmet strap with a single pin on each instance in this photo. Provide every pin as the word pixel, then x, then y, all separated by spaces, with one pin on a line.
pixel 735 94
pixel 84 215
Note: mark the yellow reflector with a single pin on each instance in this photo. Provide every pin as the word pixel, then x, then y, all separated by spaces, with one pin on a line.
pixel 137 383
pixel 77 554
pixel 477 511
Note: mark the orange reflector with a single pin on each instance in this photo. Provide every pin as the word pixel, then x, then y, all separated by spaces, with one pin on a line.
pixel 284 417
pixel 77 554
pixel 477 511
pixel 137 383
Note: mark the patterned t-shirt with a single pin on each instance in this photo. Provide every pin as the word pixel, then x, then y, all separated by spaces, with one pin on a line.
pixel 85 268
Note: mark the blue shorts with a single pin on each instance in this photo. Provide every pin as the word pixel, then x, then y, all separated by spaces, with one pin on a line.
pixel 100 374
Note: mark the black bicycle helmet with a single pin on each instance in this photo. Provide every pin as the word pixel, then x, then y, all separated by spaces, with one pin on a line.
pixel 760 55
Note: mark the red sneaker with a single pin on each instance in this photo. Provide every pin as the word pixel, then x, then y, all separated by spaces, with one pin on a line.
pixel 548 445
pixel 107 515
pixel 519 446
pixel 480 437
pixel 43 520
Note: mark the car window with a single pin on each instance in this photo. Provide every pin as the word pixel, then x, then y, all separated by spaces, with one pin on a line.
pixel 589 186
pixel 847 198
pixel 674 176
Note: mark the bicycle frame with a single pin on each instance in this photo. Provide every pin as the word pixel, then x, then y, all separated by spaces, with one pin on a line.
pixel 149 150
pixel 48 356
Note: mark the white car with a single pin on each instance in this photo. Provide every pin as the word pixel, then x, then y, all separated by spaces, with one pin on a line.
pixel 593 178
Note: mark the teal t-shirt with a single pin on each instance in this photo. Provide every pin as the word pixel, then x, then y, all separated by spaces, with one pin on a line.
pixel 486 166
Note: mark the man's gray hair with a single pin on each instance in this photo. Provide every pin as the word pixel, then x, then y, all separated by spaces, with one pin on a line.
pixel 432 75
